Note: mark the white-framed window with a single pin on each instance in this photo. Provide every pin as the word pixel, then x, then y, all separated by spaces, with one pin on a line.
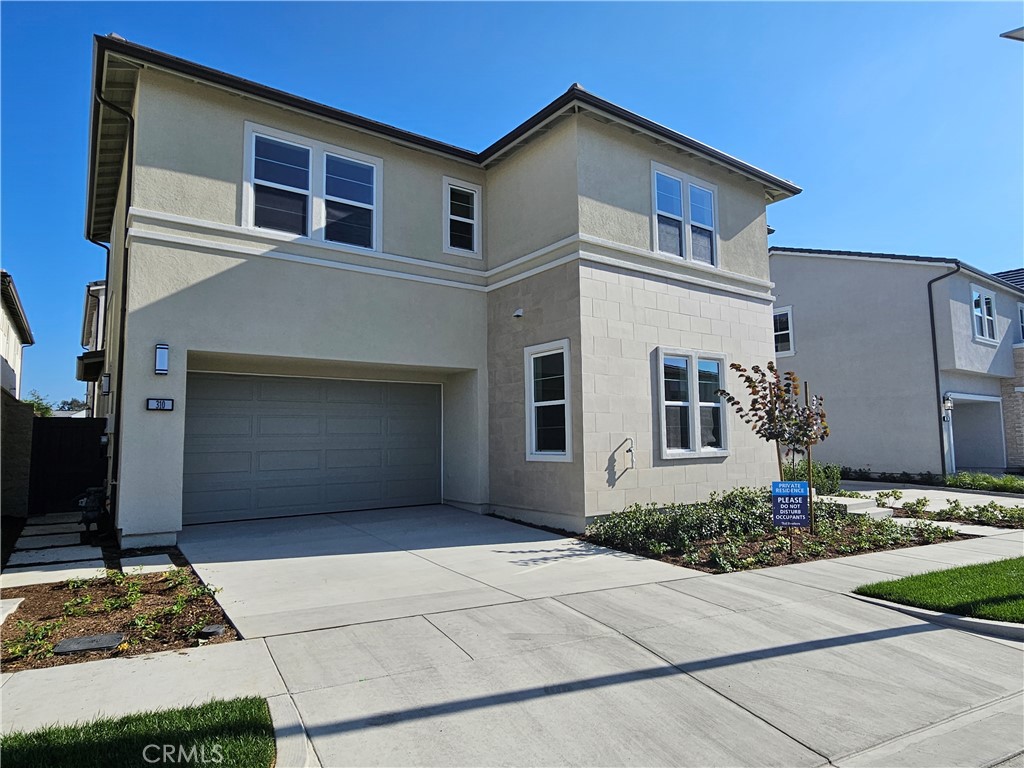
pixel 691 413
pixel 1020 323
pixel 314 190
pixel 983 313
pixel 548 402
pixel 281 185
pixel 685 221
pixel 349 200
pixel 462 203
pixel 785 342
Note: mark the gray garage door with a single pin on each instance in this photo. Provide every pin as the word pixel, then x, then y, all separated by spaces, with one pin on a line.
pixel 258 446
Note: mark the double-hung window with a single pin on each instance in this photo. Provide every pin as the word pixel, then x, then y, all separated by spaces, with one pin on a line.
pixel 1020 323
pixel 311 189
pixel 983 310
pixel 461 218
pixel 349 201
pixel 685 220
pixel 691 413
pixel 783 322
pixel 281 190
pixel 548 402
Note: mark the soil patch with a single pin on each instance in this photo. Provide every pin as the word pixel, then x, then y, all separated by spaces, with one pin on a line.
pixel 156 612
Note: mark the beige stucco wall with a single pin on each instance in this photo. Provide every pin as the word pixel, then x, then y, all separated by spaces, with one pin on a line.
pixel 625 319
pixel 195 167
pixel 531 196
pixel 954 318
pixel 615 196
pixel 250 306
pixel 863 342
pixel 550 493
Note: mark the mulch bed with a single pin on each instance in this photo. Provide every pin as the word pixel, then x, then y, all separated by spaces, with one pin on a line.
pixel 759 550
pixel 165 612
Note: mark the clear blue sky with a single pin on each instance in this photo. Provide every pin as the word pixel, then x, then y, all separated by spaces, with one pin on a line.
pixel 904 123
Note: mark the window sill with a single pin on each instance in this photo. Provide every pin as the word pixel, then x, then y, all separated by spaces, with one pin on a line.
pixel 987 341
pixel 667 455
pixel 785 354
pixel 563 458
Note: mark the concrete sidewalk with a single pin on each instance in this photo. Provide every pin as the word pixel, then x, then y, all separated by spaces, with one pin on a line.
pixel 770 667
pixel 936 495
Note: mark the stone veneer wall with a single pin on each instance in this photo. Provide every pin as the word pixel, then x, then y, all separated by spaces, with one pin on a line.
pixel 15 455
pixel 1013 411
pixel 625 318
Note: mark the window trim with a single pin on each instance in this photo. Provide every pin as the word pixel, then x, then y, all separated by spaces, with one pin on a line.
pixel 983 293
pixel 316 212
pixel 685 180
pixel 1020 321
pixel 788 311
pixel 693 379
pixel 447 182
pixel 529 353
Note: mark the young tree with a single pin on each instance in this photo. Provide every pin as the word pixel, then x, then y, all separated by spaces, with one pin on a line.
pixel 40 404
pixel 776 414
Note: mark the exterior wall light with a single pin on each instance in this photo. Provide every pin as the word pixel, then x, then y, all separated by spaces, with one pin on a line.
pixel 517 313
pixel 947 403
pixel 105 384
pixel 161 361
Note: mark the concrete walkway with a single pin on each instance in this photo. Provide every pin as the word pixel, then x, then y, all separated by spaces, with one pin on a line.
pixel 937 496
pixel 772 667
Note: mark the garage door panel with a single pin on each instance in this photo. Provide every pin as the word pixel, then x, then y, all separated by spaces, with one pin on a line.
pixel 228 388
pixel 349 458
pixel 228 500
pixel 291 391
pixel 361 392
pixel 259 447
pixel 288 460
pixel 218 462
pixel 219 426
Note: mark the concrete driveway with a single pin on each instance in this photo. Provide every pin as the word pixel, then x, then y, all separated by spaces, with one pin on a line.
pixel 430 636
pixel 289 575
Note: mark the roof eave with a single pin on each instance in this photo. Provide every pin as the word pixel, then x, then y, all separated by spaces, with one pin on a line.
pixel 12 302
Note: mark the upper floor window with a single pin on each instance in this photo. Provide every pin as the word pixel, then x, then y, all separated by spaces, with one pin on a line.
pixel 311 189
pixel 281 185
pixel 349 201
pixel 783 323
pixel 690 408
pixel 548 402
pixel 461 217
pixel 983 308
pixel 685 222
pixel 1020 324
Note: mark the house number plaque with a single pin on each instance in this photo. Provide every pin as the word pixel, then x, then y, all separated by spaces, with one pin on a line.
pixel 159 404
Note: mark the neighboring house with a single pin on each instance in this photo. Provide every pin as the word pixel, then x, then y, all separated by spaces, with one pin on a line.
pixel 326 313
pixel 90 364
pixel 920 360
pixel 15 335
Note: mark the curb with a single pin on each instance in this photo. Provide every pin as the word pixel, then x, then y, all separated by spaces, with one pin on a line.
pixel 293 747
pixel 1003 629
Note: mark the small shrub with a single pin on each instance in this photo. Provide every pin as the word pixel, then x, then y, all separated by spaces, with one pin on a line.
pixel 981 481
pixel 826 477
pixel 882 498
pixel 917 507
pixel 77 606
pixel 33 640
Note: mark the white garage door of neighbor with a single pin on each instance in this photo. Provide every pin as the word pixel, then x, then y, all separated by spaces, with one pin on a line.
pixel 260 446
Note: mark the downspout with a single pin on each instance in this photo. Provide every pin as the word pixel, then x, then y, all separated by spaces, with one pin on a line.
pixel 935 362
pixel 115 456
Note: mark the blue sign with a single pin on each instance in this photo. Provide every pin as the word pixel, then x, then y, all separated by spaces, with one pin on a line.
pixel 791 505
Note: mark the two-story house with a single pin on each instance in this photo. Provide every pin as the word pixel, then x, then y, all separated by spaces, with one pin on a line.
pixel 921 360
pixel 311 311
pixel 15 335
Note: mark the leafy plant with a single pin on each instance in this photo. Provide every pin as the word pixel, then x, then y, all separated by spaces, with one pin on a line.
pixel 146 624
pixel 826 476
pixel 178 577
pixel 33 640
pixel 917 507
pixel 77 606
pixel 882 498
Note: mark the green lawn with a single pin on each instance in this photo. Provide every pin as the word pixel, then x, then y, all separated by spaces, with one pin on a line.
pixel 985 591
pixel 239 732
